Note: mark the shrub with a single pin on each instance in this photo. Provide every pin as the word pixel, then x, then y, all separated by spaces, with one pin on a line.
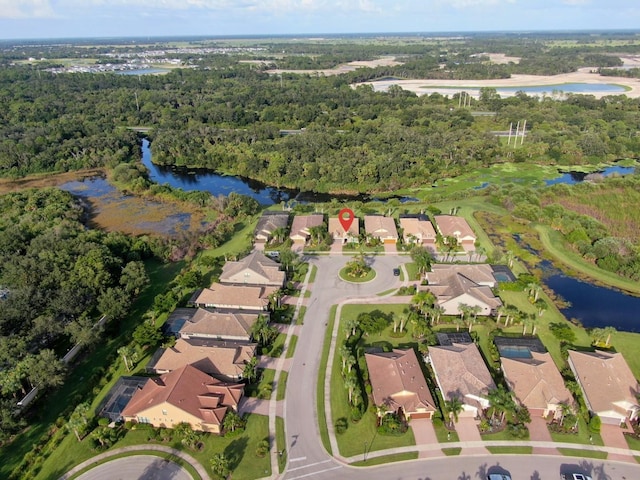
pixel 594 424
pixel 341 425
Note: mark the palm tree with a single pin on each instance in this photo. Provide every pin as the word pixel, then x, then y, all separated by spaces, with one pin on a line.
pixel 79 419
pixel 232 421
pixel 502 310
pixel 350 325
pixel 422 258
pixel 350 384
pixel 351 361
pixel 278 234
pixel 608 331
pixel 501 402
pixel 526 321
pixel 344 353
pixel 403 319
pixel 422 299
pixel 454 406
pixel 438 311
pixel 220 465
pixel 541 305
pixel 250 371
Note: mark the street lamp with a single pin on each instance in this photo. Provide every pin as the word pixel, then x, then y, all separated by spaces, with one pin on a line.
pixel 364 455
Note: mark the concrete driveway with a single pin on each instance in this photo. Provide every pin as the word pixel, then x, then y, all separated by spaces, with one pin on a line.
pixel 468 432
pixel 425 434
pixel 613 436
pixel 538 432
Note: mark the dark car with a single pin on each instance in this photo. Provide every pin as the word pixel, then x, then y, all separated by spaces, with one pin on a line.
pixel 498 476
pixel 396 272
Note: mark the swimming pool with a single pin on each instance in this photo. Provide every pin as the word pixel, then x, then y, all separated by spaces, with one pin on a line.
pixel 514 351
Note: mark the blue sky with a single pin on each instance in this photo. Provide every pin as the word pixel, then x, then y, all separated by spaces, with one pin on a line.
pixel 100 18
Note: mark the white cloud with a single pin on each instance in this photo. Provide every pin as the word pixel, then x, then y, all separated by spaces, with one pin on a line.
pixel 25 9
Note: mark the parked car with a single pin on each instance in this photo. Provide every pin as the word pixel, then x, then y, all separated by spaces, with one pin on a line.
pixel 498 476
pixel 574 476
pixel 396 272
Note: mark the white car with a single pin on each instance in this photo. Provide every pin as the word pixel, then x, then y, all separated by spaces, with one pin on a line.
pixel 574 476
pixel 498 476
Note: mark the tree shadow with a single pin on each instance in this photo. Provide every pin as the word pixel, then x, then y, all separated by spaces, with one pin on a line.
pixel 161 469
pixel 235 451
pixel 535 475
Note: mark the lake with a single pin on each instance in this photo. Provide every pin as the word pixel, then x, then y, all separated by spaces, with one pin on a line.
pixel 572 178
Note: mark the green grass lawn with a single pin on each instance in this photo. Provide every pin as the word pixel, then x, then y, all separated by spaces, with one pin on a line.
pixel 633 442
pixel 443 434
pixel 501 435
pixel 301 313
pixel 398 457
pixel 322 418
pixel 312 275
pixel 451 452
pixel 371 274
pixel 278 346
pixel 583 436
pixel 281 444
pixel 511 450
pixel 267 377
pixel 293 341
pixel 576 452
pixel 282 385
pixel 412 272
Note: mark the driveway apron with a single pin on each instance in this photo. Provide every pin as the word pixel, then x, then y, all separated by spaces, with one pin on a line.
pixel 468 433
pixel 613 436
pixel 425 434
pixel 538 432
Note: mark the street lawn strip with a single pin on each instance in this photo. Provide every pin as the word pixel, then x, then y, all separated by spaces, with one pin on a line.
pixel 386 292
pixel 396 457
pixel 293 341
pixel 513 450
pixel 281 444
pixel 412 271
pixel 443 434
pixel 312 275
pixel 278 346
pixel 452 451
pixel 282 385
pixel 576 452
pixel 322 418
pixel 633 442
pixel 76 388
pixel 156 453
pixel 301 313
pixel 352 441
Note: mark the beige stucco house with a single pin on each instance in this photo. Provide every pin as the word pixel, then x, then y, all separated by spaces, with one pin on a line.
pixel 397 382
pixel 254 269
pixel 537 384
pixel 186 395
pixel 233 325
pixel 302 225
pixel 383 228
pixel 234 297
pixel 340 235
pixel 609 388
pixel 457 227
pixel 419 231
pixel 268 223
pixel 461 372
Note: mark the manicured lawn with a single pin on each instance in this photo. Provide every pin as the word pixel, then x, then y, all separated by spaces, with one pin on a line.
pixel 301 314
pixel 240 242
pixel 583 436
pixel 443 434
pixel 398 457
pixel 386 292
pixel 312 275
pixel 511 450
pixel 450 452
pixel 267 377
pixel 412 271
pixel 278 346
pixel 576 452
pixel 501 435
pixel 633 442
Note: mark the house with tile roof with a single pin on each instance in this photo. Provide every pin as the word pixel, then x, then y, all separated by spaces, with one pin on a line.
pixel 222 359
pixel 453 285
pixel 302 225
pixel 233 325
pixel 537 384
pixel 254 269
pixel 397 381
pixel 418 230
pixel 461 372
pixel 340 235
pixel 186 395
pixel 383 228
pixel 234 297
pixel 268 223
pixel 609 388
pixel 457 227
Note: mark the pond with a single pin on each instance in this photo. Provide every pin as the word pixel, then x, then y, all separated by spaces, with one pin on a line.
pixel 200 179
pixel 572 178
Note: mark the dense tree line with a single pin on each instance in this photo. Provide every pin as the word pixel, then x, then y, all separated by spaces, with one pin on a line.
pixel 57 278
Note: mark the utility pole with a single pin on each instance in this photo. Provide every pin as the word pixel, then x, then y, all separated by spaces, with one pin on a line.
pixel 524 127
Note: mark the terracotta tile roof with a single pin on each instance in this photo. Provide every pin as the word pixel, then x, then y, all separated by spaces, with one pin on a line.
pixel 397 380
pixel 337 231
pixel 269 222
pixel 420 229
pixel 451 225
pixel 214 357
pixel 457 288
pixel 609 386
pixel 235 296
pixel 461 371
pixel 380 227
pixel 219 324
pixel 302 223
pixel 191 391
pixel 255 269
pixel 536 381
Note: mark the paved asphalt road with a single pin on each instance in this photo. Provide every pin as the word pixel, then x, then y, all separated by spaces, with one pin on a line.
pixel 147 467
pixel 306 455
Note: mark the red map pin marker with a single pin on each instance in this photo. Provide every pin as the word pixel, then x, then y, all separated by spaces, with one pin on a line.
pixel 346 218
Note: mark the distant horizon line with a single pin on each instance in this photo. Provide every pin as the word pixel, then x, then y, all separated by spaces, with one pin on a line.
pixel 446 33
